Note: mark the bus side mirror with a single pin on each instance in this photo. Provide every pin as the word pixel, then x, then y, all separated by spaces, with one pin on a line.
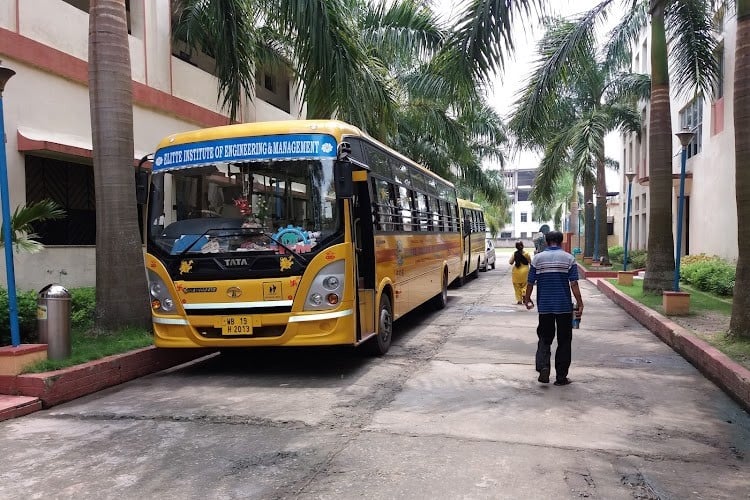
pixel 141 187
pixel 342 178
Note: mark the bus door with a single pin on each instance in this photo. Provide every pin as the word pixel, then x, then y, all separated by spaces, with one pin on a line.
pixel 364 244
pixel 467 243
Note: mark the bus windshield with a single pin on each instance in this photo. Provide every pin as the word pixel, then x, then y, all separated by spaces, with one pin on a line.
pixel 262 207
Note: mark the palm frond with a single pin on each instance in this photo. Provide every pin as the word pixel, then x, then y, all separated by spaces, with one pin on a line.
pixel 692 46
pixel 623 37
pixel 628 87
pixel 22 224
pixel 401 30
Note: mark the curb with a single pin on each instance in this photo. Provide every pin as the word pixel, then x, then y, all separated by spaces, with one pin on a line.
pixel 587 274
pixel 729 375
pixel 59 386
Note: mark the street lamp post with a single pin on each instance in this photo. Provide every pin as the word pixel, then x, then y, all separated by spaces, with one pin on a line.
pixel 580 211
pixel 596 231
pixel 685 136
pixel 15 337
pixel 630 176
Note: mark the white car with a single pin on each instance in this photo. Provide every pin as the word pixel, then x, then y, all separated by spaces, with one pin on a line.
pixel 489 255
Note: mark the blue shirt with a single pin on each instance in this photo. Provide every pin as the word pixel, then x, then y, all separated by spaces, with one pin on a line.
pixel 551 272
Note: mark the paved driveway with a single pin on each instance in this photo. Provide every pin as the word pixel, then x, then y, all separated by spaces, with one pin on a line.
pixel 453 411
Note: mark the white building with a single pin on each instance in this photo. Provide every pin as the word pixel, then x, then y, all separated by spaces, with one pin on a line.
pixel 710 216
pixel 47 120
pixel 518 184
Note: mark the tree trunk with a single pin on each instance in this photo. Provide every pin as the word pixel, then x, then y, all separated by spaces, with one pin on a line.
pixel 588 197
pixel 739 324
pixel 121 291
pixel 660 262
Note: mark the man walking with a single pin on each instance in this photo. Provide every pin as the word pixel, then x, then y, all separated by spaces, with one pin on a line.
pixel 555 274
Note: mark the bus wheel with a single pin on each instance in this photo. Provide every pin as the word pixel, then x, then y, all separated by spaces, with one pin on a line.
pixel 380 344
pixel 440 300
pixel 475 272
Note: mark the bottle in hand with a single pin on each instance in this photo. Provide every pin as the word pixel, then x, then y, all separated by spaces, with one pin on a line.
pixel 576 316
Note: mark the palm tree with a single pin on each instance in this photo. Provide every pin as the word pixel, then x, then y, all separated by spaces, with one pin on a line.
pixel 688 25
pixel 24 219
pixel 121 292
pixel 573 100
pixel 740 321
pixel 349 52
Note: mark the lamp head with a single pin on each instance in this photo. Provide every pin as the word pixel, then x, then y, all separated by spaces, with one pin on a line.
pixel 630 176
pixel 685 136
pixel 5 74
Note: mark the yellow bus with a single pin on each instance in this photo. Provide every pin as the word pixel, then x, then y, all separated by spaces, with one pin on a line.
pixel 473 246
pixel 293 233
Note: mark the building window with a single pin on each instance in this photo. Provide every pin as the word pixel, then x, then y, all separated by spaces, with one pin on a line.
pixel 274 89
pixel 691 118
pixel 719 86
pixel 70 185
pixel 524 234
pixel 505 234
pixel 524 217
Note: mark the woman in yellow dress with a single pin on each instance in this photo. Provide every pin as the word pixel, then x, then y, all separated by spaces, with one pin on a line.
pixel 520 261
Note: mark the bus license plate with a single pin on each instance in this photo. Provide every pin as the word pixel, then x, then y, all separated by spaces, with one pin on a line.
pixel 236 325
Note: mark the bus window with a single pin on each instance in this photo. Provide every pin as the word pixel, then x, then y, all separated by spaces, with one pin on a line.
pixel 385 214
pixel 378 161
pixel 435 207
pixel 404 202
pixel 422 211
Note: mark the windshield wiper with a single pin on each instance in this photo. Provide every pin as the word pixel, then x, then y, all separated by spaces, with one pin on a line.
pixel 242 231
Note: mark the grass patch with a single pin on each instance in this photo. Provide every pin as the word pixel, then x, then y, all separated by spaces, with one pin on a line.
pixel 87 346
pixel 614 266
pixel 699 301
pixel 735 348
pixel 703 301
pixel 636 292
pixel 705 310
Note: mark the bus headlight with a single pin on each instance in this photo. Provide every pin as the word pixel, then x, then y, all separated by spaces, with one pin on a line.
pixel 316 299
pixel 327 287
pixel 161 299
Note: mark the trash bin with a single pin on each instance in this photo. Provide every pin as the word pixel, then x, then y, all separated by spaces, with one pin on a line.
pixel 53 320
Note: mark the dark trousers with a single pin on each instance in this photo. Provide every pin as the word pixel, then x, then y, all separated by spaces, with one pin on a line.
pixel 546 333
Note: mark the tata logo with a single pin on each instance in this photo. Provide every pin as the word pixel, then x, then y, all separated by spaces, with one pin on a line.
pixel 235 262
pixel 234 292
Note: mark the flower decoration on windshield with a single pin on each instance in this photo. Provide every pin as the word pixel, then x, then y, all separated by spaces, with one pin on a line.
pixel 261 207
pixel 243 205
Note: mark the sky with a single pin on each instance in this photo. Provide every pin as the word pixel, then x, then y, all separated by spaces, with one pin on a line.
pixel 517 69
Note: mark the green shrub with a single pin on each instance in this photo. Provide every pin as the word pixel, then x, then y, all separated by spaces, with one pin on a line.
pixel 82 303
pixel 616 254
pixel 637 258
pixel 26 301
pixel 708 273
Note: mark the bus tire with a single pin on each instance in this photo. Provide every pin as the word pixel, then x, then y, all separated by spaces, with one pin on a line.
pixel 475 273
pixel 380 343
pixel 440 300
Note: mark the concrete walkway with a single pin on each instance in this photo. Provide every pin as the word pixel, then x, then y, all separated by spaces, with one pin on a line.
pixel 453 411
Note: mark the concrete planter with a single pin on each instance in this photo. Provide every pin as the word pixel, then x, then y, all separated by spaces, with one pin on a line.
pixel 676 303
pixel 13 360
pixel 588 260
pixel 625 278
